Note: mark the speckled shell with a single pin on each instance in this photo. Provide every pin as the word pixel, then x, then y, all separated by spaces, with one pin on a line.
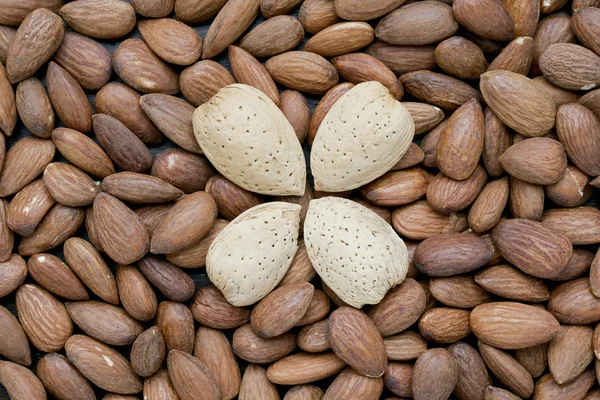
pixel 364 134
pixel 354 251
pixel 251 255
pixel 249 140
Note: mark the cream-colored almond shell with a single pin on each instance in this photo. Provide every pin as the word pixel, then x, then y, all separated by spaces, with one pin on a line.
pixel 356 253
pixel 251 255
pixel 248 139
pixel 364 134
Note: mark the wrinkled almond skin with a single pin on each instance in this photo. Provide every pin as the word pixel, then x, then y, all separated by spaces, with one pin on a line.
pixel 274 36
pixel 570 352
pixel 510 283
pixel 247 69
pixel 194 256
pixel 159 387
pixel 82 152
pixel 194 11
pixel 342 38
pixel 135 293
pixel 68 99
pixel 447 196
pixel 460 58
pixel 473 376
pixel 572 190
pixel 317 309
pixel 526 199
pixel 547 388
pixel 495 24
pixel 100 19
pixel 303 71
pixel 139 188
pixel 8 109
pixel 426 117
pixel 34 107
pixel 55 276
pixel 69 185
pixel 190 376
pixel 231 199
pixel 349 383
pixel 7 35
pixel 313 338
pixel 444 324
pixel 534 359
pixel 210 308
pixel 579 131
pixel 429 145
pixel 201 81
pixel 176 325
pixel 13 345
pixel 147 352
pixel 578 224
pixel 171 40
pixel 540 161
pixel 397 188
pixel 458 291
pixel 516 57
pixel 182 169
pixel 574 303
pixel 13 272
pixel 509 372
pixel 7 237
pixel 167 278
pixel 558 63
pixel 154 8
pixel 559 95
pixel 435 375
pixel 255 385
pixel 248 346
pixel 403 59
pixel 62 380
pixel 316 15
pixel 303 368
pixel 20 382
pixel 487 209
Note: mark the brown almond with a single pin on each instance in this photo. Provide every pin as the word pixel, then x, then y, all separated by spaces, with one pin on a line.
pixel 214 350
pixel 255 385
pixel 425 116
pixel 156 77
pixel 34 107
pixel 190 376
pixel 540 161
pixel 525 14
pixel 341 38
pixel 572 190
pixel 248 346
pixel 574 303
pixel 497 140
pixel 323 107
pixel 301 269
pixel 570 352
pixel 194 256
pixel 419 221
pixel 91 227
pixel 438 89
pixel 102 321
pixel 317 309
pixel 509 325
pixel 495 24
pixel 171 40
pixel 295 107
pixel 184 170
pixel 579 4
pixel 516 57
pixel 139 188
pixel 20 383
pixel 579 264
pixel 547 388
pixel 91 268
pixel 555 28
pixel 135 293
pixel 13 272
pixel 458 291
pixel 398 378
pixel 404 346
pixel 152 215
pixel 36 40
pixel 176 325
pixel 316 15
pixel 229 24
pixel 411 24
pixel 571 66
pixel 62 380
pixel 231 199
pixel 159 387
pixel 509 372
pixel 448 196
pixel 444 324
pixel 248 70
pixel 100 19
pixel 7 237
pixel 168 279
pixel 578 130
pixel 559 95
pixel 274 36
pixel 38 310
pixel 96 71
pixel 303 71
pixel 120 231
pixel 587 28
pixel 489 205
pixel 303 368
pixel 54 275
pixel 413 156
pixel 69 185
pixel 451 254
pixel 460 58
pixel 147 352
pixel 193 11
pixel 7 35
pixel 349 383
pixel 313 338
pixel 579 224
pixel 16 11
pixel 13 342
pixel 123 103
pixel 202 80
pixel 473 377
pixel 534 359
pixel 153 8
pixel 435 375
pixel 397 188
pixel 102 365
pixel 510 283
pixel 59 224
pixel 526 199
pixel 210 308
pixel 173 116
pixel 271 8
pixel 8 110
pixel 403 59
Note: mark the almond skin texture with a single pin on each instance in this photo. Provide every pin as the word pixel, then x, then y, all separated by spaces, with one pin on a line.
pixel 461 58
pixel 586 27
pixel 323 107
pixel 7 35
pixel 281 309
pixel 570 352
pixel 560 96
pixel 157 77
pixel 16 11
pixel 45 320
pixel 191 376
pixel 516 57
pixel 20 383
pixel 24 161
pixel 176 325
pixel 412 24
pixel 271 8
pixel 194 256
pixel 419 221
pixel 495 23
pixel 294 106
pixel 316 15
pixel 518 103
pixel 534 359
pixel 349 383
pixel 342 38
pixel 171 40
pixel 508 371
pixel 579 130
pixel 355 339
pixel 525 14
pixel 359 11
pixel 248 70
pixel 36 40
pixel 153 8
pixel 473 377
pixel 579 224
pixel 304 368
pixel 526 199
pixel 426 117
pixel 574 303
pixel 435 375
pixel 68 99
pixel 572 190
pixel 13 272
pixel 82 152
pixel 248 346
pixel 403 59
pixel 487 209
pixel 313 338
pixel 8 110
pixel 274 36
pixel 404 346
pixel 139 188
pixel 570 66
pixel 201 81
pixel 102 365
pixel 397 188
pixel 135 293
pixel 508 325
pixel 195 11
pixel 240 104
pixel 510 283
pixel 303 71
pixel 167 278
pixel 100 19
pixel 34 107
pixel 159 387
pixel 547 388
pixel 229 24
pixel 123 103
pixel 182 169
pixel 62 380
pixel 123 237
pixel 458 291
pixel 255 385
pixel 531 247
pixel 444 324
pixel 541 161
pixel 365 100
pixel 69 185
pixel 13 345
pixel 210 308
pixel 147 352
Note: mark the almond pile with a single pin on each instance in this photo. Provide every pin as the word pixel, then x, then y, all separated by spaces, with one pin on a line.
pixel 299 199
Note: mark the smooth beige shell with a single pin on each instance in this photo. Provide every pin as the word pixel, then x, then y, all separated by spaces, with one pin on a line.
pixel 251 255
pixel 355 252
pixel 364 134
pixel 248 139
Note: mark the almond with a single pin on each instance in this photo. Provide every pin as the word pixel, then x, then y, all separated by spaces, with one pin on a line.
pixel 508 325
pixel 303 71
pixel 444 324
pixel 152 215
pixel 36 40
pixel 349 383
pixel 397 188
pixel 398 378
pixel 248 70
pixel 547 388
pixel 102 365
pixel 586 27
pixel 201 81
pixel 572 190
pixel 404 346
pixel 61 379
pixel 147 352
pixel 56 277
pixel 313 338
pixel 317 309
pixel 301 269
pixel 69 185
pixel 510 283
pixel 460 58
pixel 495 24
pixel 555 28
pixel 13 272
pixel 274 36
pixel 13 345
pixel 458 291
pixel 534 359
pixel 360 11
pixel 540 161
pixel 271 8
pixel 91 268
pixel 210 308
pixel 570 352
pixel 411 24
pixel 91 227
pixel 574 303
pixel 171 40
pixel 159 387
pixel 214 350
pixel 579 264
pixel 559 95
pixel 194 256
pixel 6 235
pixel 403 59
pixel 135 293
pixel 168 279
pixel 316 15
pixel 341 38
pixel 8 110
pixel 121 233
pixel 68 99
pixel 176 325
pixel 304 368
pixel 195 11
pixel 173 117
pixel 34 107
pixel 255 385
pixel 473 377
pixel 426 117
pixel 419 221
pixel 59 224
pixel 323 107
pixel 438 89
pixel 156 77
pixel 38 310
pixel 294 106
pixel 123 103
pixel 487 209
pixel 560 61
pixel 100 19
pixel 578 130
pixel 139 188
pixel 578 224
pixel 153 8
pixel 508 371
pixel 7 35
pixel 516 57
pixel 435 375
pixel 248 346
pixel 186 171
pixel 229 24
pixel 20 383
pixel 16 10
pixel 526 199
pixel 24 161
pixel 429 145
pixel 413 156
pixel 82 152
pixel 191 376
pixel 525 14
